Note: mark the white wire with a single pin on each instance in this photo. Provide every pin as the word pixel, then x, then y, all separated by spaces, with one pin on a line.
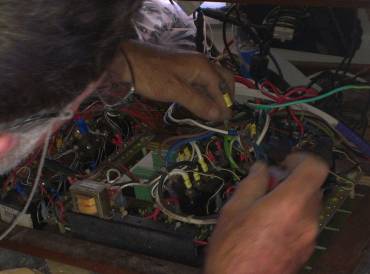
pixel 197 150
pixel 28 174
pixel 192 153
pixel 34 187
pixel 191 122
pixel 185 219
pixel 214 195
pixel 60 155
pixel 108 175
pixel 205 45
pixel 242 91
pixel 264 130
pixel 133 184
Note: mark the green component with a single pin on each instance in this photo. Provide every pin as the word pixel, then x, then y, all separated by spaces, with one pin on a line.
pixel 158 161
pixel 143 193
pixel 144 173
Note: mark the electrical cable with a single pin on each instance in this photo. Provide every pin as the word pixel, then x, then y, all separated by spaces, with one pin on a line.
pixel 276 64
pixel 338 126
pixel 190 219
pixel 175 147
pixel 34 187
pixel 148 184
pixel 191 122
pixel 312 99
pixel 264 130
pixel 227 48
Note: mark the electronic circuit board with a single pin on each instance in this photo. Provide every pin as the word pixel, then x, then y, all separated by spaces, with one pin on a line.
pixel 136 177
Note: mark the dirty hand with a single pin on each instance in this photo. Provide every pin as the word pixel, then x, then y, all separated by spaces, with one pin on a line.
pixel 177 76
pixel 269 233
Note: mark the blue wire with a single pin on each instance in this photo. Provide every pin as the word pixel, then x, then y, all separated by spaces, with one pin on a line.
pixel 176 146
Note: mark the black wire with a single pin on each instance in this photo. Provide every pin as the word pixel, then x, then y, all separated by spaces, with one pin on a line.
pixel 227 48
pixel 350 50
pixel 199 22
pixel 161 190
pixel 354 36
pixel 341 35
pixel 276 64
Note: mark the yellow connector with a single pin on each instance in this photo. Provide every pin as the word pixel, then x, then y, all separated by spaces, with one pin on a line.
pixel 180 157
pixel 187 181
pixel 253 130
pixel 227 100
pixel 187 154
pixel 196 176
pixel 224 88
pixel 203 165
pixel 59 144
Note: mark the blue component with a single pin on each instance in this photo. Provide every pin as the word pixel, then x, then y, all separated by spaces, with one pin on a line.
pixel 247 60
pixel 82 126
pixel 176 146
pixel 354 138
pixel 54 194
pixel 232 132
pixel 93 165
pixel 19 188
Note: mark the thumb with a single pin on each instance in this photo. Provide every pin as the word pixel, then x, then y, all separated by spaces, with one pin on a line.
pixel 253 187
pixel 308 173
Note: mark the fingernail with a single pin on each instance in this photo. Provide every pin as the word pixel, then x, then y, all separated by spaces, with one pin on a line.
pixel 256 168
pixel 213 113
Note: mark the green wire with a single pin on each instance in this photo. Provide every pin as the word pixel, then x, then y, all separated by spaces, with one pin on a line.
pixel 313 99
pixel 228 146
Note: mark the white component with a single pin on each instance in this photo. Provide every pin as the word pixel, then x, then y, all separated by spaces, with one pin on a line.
pixel 145 162
pixel 291 74
pixel 283 33
pixel 8 214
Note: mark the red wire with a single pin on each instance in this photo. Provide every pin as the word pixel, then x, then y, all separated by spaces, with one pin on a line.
pixel 279 98
pixel 248 83
pixel 154 215
pixel 297 121
pixel 60 205
pixel 272 87
pixel 200 242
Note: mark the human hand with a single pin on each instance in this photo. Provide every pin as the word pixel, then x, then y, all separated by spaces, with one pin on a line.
pixel 273 233
pixel 177 76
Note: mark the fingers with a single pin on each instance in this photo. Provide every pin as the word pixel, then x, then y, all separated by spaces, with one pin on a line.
pixel 253 187
pixel 308 173
pixel 228 77
pixel 195 101
pixel 209 76
pixel 214 78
